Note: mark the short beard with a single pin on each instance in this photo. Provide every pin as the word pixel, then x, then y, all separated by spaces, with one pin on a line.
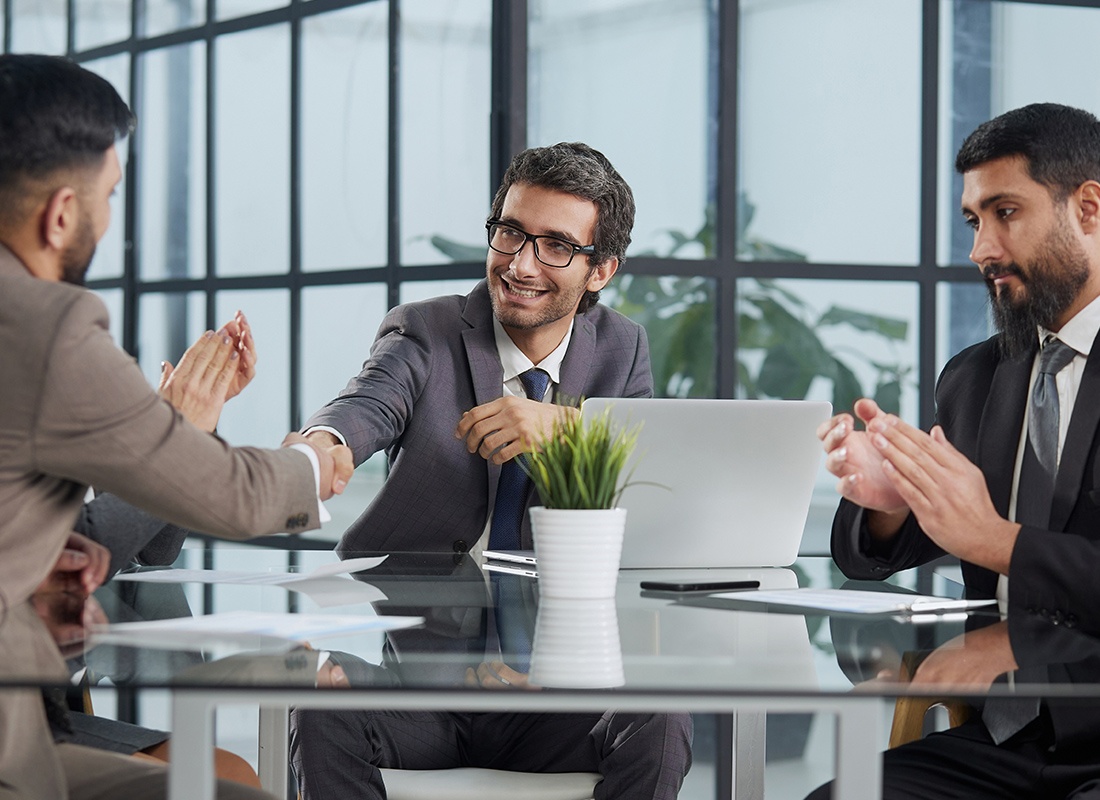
pixel 77 257
pixel 1051 283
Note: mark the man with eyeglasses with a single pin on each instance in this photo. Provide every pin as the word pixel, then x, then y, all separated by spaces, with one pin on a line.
pixel 454 388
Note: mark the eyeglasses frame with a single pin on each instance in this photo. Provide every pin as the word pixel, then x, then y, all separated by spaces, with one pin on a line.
pixel 587 250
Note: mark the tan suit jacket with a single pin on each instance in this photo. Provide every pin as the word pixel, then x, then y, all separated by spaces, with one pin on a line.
pixel 76 410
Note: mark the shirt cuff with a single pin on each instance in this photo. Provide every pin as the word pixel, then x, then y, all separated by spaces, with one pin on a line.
pixel 322 512
pixel 326 428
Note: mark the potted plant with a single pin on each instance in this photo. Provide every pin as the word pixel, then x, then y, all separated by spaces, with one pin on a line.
pixel 579 470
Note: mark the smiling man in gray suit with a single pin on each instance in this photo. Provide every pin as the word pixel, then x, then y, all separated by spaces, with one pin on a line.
pixel 445 392
pixel 75 410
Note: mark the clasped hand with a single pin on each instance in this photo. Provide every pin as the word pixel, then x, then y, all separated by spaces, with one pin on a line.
pixel 63 599
pixel 502 429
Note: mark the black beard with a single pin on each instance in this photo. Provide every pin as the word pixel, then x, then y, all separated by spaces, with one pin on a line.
pixel 1050 285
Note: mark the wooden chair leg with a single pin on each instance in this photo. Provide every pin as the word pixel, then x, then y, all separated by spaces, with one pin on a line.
pixel 228 766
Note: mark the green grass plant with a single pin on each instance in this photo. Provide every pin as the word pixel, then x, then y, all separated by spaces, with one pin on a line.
pixel 580 464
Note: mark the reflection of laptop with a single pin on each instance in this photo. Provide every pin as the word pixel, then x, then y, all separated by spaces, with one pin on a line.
pixel 737 476
pixel 514 556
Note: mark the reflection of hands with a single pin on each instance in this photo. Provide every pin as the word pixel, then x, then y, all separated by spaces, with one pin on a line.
pixel 332 676
pixel 851 457
pixel 62 600
pixel 497 675
pixel 215 368
pixel 502 429
pixel 972 660
pixel 946 492
pixel 335 462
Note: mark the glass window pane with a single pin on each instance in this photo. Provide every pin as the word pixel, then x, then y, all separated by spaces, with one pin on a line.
pixel 679 316
pixel 962 318
pixel 411 291
pixel 997 56
pixel 445 84
pixel 163 16
pixel 252 162
pixel 349 315
pixel 828 340
pixel 829 100
pixel 632 79
pixel 833 341
pixel 261 414
pixel 167 325
pixel 344 138
pixel 109 260
pixel 227 9
pixel 100 22
pixel 171 242
pixel 38 26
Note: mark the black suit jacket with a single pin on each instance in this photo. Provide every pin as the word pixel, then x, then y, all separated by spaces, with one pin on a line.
pixel 981 398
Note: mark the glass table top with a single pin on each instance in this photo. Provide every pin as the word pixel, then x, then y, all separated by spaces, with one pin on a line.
pixel 476 626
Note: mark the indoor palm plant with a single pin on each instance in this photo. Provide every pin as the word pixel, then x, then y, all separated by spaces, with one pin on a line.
pixel 580 471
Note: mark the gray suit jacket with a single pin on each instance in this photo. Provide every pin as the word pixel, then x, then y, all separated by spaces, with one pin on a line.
pixel 431 362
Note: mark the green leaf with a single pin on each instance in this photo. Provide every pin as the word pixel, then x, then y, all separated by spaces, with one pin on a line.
pixel 888 396
pixel 890 327
pixel 456 251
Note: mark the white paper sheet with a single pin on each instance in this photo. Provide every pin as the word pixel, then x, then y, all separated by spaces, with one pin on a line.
pixel 325 585
pixel 852 601
pixel 259 578
pixel 243 626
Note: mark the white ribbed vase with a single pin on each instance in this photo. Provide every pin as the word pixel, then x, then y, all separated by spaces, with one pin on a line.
pixel 578 551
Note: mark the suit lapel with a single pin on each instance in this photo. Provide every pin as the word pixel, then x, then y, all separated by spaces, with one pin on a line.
pixel 578 361
pixel 1078 446
pixel 486 373
pixel 1002 420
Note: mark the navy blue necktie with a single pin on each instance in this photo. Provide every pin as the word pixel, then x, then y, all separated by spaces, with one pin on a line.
pixel 514 629
pixel 512 489
pixel 1006 716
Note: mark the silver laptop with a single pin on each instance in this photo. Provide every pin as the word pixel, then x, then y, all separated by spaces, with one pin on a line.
pixel 718 483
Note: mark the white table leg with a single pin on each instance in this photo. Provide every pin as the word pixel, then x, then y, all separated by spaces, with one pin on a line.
pixel 858 739
pixel 191 770
pixel 749 736
pixel 274 747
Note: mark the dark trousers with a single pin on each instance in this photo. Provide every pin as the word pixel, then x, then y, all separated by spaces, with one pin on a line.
pixel 337 754
pixel 964 763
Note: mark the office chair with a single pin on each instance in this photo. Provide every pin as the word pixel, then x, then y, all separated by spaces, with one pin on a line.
pixel 909 712
pixel 472 783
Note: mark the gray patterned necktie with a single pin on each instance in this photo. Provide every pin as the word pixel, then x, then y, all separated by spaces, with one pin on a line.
pixel 1040 465
pixel 1006 716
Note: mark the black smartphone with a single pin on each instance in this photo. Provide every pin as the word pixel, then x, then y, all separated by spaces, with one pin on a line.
pixel 690 586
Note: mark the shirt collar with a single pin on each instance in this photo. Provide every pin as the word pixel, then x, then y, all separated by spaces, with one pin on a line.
pixel 515 362
pixel 1080 332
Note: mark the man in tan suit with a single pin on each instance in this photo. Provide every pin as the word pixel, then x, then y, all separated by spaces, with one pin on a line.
pixel 75 410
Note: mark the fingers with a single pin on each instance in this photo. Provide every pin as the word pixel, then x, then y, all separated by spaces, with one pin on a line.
pixel 335 464
pixel 867 409
pixel 166 369
pixel 473 418
pixel 97 561
pixel 343 467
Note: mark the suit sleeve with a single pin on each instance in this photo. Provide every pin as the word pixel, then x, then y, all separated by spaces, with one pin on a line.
pixel 130 533
pixel 100 423
pixel 376 405
pixel 1053 576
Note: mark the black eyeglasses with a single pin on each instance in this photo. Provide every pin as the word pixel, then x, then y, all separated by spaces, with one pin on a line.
pixel 550 250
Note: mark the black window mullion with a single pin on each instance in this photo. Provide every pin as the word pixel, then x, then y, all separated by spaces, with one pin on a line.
pixel 393 173
pixel 724 195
